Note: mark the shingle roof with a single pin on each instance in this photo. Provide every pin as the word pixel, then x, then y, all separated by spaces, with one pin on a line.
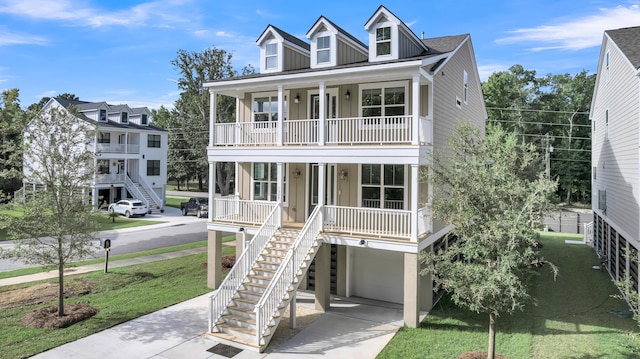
pixel 84 105
pixel 628 40
pixel 292 39
pixel 444 44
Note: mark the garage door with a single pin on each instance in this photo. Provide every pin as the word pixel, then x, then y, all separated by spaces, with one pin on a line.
pixel 377 274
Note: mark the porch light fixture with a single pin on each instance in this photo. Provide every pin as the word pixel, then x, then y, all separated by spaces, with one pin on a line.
pixel 296 173
pixel 296 99
pixel 343 174
pixel 347 96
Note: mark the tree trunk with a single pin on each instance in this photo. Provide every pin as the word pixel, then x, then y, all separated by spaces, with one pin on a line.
pixel 60 288
pixel 491 352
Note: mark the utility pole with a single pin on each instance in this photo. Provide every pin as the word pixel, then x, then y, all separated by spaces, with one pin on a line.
pixel 547 155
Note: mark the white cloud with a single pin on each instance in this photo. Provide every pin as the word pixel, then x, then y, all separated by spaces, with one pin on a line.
pixel 224 34
pixel 161 13
pixel 484 71
pixel 577 34
pixel 9 38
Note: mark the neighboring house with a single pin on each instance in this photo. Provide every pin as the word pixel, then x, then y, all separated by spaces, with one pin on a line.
pixel 130 153
pixel 615 116
pixel 330 143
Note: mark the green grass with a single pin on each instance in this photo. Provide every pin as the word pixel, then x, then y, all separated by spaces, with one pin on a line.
pixel 570 319
pixel 175 201
pixel 179 247
pixel 120 295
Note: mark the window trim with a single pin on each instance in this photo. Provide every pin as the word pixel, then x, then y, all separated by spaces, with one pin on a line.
pixel 606 124
pixel 144 119
pixel 278 56
pixel 382 186
pixel 124 117
pixel 150 142
pixel 285 195
pixel 465 87
pixel 382 86
pixel 389 40
pixel 104 118
pixel 104 138
pixel 607 61
pixel 154 167
pixel 270 94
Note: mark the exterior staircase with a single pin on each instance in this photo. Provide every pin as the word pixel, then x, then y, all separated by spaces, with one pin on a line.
pixel 144 193
pixel 256 306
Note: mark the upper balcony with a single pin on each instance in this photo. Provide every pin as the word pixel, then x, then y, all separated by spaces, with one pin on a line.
pixel 386 130
pixel 117 143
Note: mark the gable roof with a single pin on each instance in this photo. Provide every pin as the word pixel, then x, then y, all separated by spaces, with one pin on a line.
pixel 628 41
pixel 340 30
pixel 286 36
pixel 384 12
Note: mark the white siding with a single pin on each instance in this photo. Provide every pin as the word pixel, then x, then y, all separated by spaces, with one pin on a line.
pixel 616 158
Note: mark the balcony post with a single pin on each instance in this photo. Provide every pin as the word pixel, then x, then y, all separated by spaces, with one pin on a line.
pixel 237 131
pixel 280 187
pixel 322 113
pixel 212 189
pixel 415 110
pixel 415 194
pixel 321 190
pixel 280 124
pixel 212 118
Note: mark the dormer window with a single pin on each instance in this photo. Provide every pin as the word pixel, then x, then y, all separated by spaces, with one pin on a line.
pixel 103 116
pixel 124 117
pixel 271 56
pixel 383 41
pixel 324 49
pixel 143 119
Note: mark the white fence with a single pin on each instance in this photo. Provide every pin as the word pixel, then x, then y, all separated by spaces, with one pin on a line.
pixel 234 210
pixel 368 221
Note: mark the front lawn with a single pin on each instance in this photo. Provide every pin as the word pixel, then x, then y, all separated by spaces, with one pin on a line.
pixel 120 295
pixel 175 201
pixel 571 319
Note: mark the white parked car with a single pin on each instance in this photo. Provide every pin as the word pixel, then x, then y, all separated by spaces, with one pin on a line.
pixel 129 207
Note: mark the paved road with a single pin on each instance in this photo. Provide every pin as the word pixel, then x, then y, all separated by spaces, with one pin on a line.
pixel 176 230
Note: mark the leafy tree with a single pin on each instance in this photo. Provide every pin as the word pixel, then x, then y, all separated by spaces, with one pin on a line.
pixel 192 111
pixel 548 111
pixel 12 119
pixel 495 196
pixel 180 161
pixel 58 223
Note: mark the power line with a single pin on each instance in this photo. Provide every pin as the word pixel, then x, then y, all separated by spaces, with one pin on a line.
pixel 531 110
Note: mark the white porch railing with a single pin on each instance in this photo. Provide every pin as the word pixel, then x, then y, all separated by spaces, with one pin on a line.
pixel 284 281
pixel 110 148
pixel 133 148
pixel 424 221
pixel 110 178
pixel 588 232
pixel 221 298
pixel 134 190
pixel 338 131
pixel 154 196
pixel 368 221
pixel 387 129
pixel 234 210
pixel 300 132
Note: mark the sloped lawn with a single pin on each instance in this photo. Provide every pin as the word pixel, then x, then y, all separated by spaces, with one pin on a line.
pixel 571 319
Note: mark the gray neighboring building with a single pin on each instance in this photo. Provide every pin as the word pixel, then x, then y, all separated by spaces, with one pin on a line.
pixel 615 116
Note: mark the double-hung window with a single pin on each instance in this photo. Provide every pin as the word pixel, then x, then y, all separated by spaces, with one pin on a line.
pixel 383 186
pixel 153 167
pixel 388 101
pixel 104 137
pixel 124 117
pixel 265 182
pixel 383 41
pixel 153 141
pixel 271 56
pixel 103 115
pixel 324 49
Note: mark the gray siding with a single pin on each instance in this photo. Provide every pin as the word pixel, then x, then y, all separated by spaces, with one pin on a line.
pixel 448 84
pixel 407 47
pixel 348 55
pixel 294 60
pixel 616 158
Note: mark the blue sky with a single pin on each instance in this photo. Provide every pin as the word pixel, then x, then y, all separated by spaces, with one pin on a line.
pixel 120 51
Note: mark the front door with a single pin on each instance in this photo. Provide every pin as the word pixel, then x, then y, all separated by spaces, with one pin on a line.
pixel 330 104
pixel 330 185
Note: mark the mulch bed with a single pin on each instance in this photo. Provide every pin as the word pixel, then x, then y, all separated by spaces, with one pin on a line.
pixel 47 317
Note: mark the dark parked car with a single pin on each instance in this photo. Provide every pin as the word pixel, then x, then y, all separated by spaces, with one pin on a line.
pixel 196 205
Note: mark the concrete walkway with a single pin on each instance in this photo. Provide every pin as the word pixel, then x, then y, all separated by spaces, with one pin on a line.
pixel 352 328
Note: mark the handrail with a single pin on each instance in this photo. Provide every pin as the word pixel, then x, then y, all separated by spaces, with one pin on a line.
pixel 286 273
pixel 220 299
pixel 154 196
pixel 133 188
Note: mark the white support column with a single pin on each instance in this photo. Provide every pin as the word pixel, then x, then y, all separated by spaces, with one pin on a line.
pixel 212 189
pixel 415 194
pixel 212 117
pixel 237 182
pixel 237 131
pixel 322 183
pixel 415 109
pixel 322 114
pixel 280 187
pixel 280 125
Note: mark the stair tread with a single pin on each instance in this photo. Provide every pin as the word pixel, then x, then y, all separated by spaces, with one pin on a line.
pixel 250 292
pixel 255 284
pixel 259 277
pixel 240 309
pixel 264 269
pixel 245 300
pixel 239 319
pixel 262 261
pixel 279 256
pixel 237 329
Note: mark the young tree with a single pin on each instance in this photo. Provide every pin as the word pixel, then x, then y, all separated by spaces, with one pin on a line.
pixel 58 224
pixel 492 191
